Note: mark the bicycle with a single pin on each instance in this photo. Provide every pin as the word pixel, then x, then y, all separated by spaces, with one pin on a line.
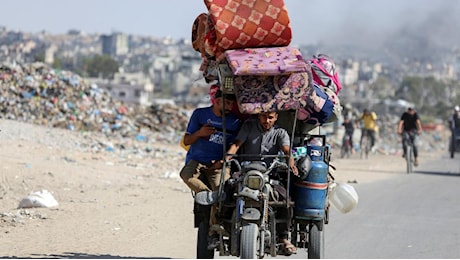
pixel 346 148
pixel 454 144
pixel 365 144
pixel 408 145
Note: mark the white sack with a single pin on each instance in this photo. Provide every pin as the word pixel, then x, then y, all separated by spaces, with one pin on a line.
pixel 39 199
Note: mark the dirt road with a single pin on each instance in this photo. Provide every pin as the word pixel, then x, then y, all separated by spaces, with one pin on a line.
pixel 110 205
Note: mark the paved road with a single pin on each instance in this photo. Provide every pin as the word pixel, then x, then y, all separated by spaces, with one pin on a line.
pixel 405 216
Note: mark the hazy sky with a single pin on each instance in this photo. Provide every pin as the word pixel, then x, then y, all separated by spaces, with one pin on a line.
pixel 311 20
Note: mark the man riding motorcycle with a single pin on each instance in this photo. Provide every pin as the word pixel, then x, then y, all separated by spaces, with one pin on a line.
pixel 262 137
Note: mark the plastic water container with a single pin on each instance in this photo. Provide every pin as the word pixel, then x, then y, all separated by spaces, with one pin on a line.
pixel 343 197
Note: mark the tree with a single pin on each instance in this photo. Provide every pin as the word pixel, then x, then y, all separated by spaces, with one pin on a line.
pixel 431 96
pixel 57 63
pixel 383 87
pixel 39 57
pixel 101 65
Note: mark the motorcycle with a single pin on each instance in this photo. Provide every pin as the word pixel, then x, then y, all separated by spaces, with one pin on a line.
pixel 247 210
pixel 257 198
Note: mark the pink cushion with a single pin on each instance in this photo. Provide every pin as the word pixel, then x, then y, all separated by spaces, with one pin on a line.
pixel 266 61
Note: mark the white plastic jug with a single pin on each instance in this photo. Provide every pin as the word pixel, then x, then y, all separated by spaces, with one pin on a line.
pixel 343 197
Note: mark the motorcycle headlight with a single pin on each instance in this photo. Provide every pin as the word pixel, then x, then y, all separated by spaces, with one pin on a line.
pixel 254 180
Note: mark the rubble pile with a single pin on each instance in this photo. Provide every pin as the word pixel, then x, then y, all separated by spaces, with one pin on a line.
pixel 37 94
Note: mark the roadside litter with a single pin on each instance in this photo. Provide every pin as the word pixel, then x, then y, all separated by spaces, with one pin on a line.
pixel 37 94
pixel 38 199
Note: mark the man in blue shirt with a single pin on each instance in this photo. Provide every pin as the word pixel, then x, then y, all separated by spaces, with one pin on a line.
pixel 205 135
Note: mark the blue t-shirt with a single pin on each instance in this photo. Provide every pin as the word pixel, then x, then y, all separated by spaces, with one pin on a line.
pixel 207 149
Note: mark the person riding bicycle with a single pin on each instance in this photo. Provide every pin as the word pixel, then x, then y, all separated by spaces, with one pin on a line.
pixel 410 124
pixel 370 125
pixel 349 130
pixel 454 119
pixel 454 125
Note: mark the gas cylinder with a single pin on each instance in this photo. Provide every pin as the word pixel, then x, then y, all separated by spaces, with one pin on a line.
pixel 310 192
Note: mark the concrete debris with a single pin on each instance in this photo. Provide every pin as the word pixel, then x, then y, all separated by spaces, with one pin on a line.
pixel 20 216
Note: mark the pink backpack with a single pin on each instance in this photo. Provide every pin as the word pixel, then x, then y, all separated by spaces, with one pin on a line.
pixel 325 73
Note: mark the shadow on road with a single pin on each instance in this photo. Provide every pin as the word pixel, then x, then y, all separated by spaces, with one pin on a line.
pixel 73 255
pixel 450 174
pixel 368 170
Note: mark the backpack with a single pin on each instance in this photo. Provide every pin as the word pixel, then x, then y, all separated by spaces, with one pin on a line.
pixel 319 108
pixel 325 73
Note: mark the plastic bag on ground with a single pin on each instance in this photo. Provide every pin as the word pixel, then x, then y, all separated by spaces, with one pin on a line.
pixel 39 199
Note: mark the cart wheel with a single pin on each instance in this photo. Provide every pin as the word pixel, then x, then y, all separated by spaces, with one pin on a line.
pixel 316 240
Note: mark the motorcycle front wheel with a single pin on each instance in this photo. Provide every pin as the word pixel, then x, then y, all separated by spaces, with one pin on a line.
pixel 249 241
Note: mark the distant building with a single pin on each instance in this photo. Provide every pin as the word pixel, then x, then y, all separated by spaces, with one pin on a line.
pixel 75 32
pixel 131 88
pixel 130 94
pixel 115 44
pixel 49 54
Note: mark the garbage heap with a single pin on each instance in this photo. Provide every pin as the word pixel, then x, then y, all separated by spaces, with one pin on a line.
pixel 37 94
